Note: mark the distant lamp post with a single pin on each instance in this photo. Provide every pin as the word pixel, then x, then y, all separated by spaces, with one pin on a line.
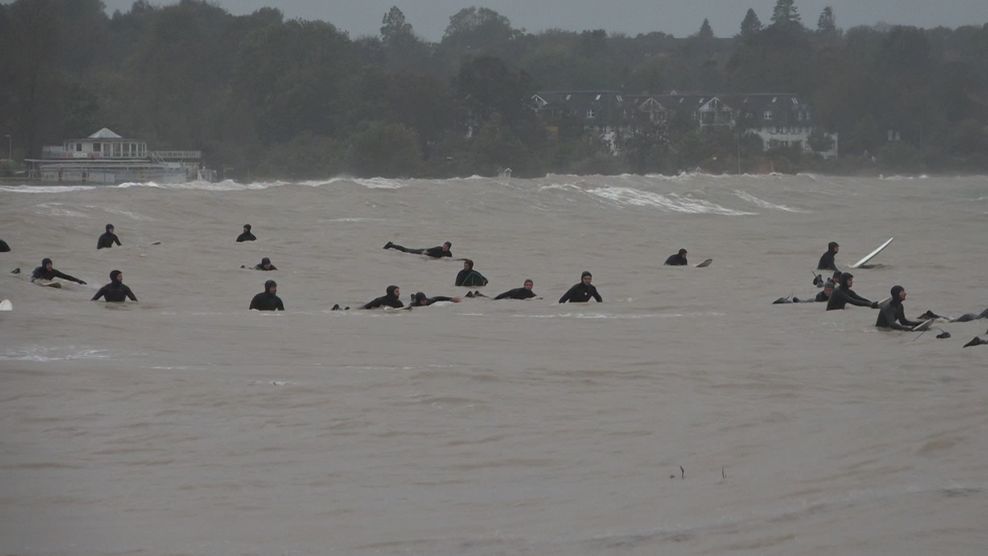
pixel 10 147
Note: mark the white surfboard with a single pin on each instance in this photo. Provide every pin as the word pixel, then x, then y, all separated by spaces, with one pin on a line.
pixel 6 305
pixel 925 325
pixel 873 254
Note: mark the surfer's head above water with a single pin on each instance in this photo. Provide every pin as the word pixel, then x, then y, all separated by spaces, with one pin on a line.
pixel 116 276
pixel 393 291
pixel 846 280
pixel 528 284
pixel 271 287
pixel 833 247
pixel 898 294
pixel 46 263
pixel 109 228
pixel 586 277
pixel 419 298
pixel 682 252
pixel 246 227
pixel 467 264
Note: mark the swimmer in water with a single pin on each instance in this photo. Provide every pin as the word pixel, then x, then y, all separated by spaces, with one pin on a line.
pixel 267 300
pixel 582 292
pixel 468 277
pixel 107 240
pixel 115 291
pixel 246 236
pixel 679 259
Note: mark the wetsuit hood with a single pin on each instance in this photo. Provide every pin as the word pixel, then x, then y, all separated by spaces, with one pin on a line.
pixel 268 285
pixel 45 261
pixel 419 297
pixel 585 274
pixel 109 227
pixel 896 290
pixel 247 227
pixel 114 274
pixel 265 261
pixel 844 279
pixel 391 290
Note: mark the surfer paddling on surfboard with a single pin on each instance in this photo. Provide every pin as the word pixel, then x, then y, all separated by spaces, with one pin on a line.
pixel 844 294
pixel 437 252
pixel 891 314
pixel 46 273
pixel 389 299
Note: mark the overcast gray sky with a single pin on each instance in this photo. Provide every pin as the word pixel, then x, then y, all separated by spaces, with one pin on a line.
pixel 677 17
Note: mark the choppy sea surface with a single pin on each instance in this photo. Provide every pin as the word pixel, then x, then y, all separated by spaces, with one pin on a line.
pixel 684 415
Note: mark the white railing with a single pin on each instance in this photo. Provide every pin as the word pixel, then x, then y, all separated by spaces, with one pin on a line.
pixel 176 155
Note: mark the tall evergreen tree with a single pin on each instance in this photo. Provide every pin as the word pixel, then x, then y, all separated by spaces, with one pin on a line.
pixel 827 24
pixel 751 25
pixel 394 26
pixel 705 31
pixel 786 14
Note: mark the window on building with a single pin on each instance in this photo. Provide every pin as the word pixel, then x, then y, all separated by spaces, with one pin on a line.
pixel 97 147
pixel 590 114
pixel 78 147
pixel 767 116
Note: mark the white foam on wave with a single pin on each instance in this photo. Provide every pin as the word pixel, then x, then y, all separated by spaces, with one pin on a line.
pixel 45 188
pixel 765 204
pixel 560 187
pixel 671 203
pixel 55 209
pixel 44 354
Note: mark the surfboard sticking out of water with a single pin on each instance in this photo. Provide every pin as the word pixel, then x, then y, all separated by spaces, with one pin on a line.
pixel 705 263
pixel 873 254
pixel 6 305
pixel 925 325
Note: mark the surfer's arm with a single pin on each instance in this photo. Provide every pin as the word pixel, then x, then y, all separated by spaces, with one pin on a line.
pixel 130 294
pixel 99 294
pixel 596 296
pixel 64 276
pixel 566 296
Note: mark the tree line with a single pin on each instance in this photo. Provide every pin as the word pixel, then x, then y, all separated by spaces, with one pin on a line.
pixel 266 96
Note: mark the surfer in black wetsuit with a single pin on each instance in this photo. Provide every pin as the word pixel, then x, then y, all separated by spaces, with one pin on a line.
pixel 265 264
pixel 828 290
pixel 47 272
pixel 4 248
pixel 107 240
pixel 390 299
pixel 524 292
pixel 892 311
pixel 827 259
pixel 679 259
pixel 267 300
pixel 582 292
pixel 246 236
pixel 844 294
pixel 468 277
pixel 115 291
pixel 419 299
pixel 437 252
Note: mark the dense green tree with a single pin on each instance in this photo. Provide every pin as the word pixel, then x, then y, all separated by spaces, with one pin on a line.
pixel 750 25
pixel 786 14
pixel 705 32
pixel 826 25
pixel 385 149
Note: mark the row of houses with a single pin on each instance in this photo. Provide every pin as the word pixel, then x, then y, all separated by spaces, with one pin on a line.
pixel 779 119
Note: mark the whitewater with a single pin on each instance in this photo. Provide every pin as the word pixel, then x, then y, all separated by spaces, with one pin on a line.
pixel 685 414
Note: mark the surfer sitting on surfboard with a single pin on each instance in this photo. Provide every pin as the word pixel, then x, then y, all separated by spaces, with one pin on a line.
pixel 468 277
pixel 827 260
pixel 47 272
pixel 679 259
pixel 844 294
pixel 892 311
pixel 582 292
